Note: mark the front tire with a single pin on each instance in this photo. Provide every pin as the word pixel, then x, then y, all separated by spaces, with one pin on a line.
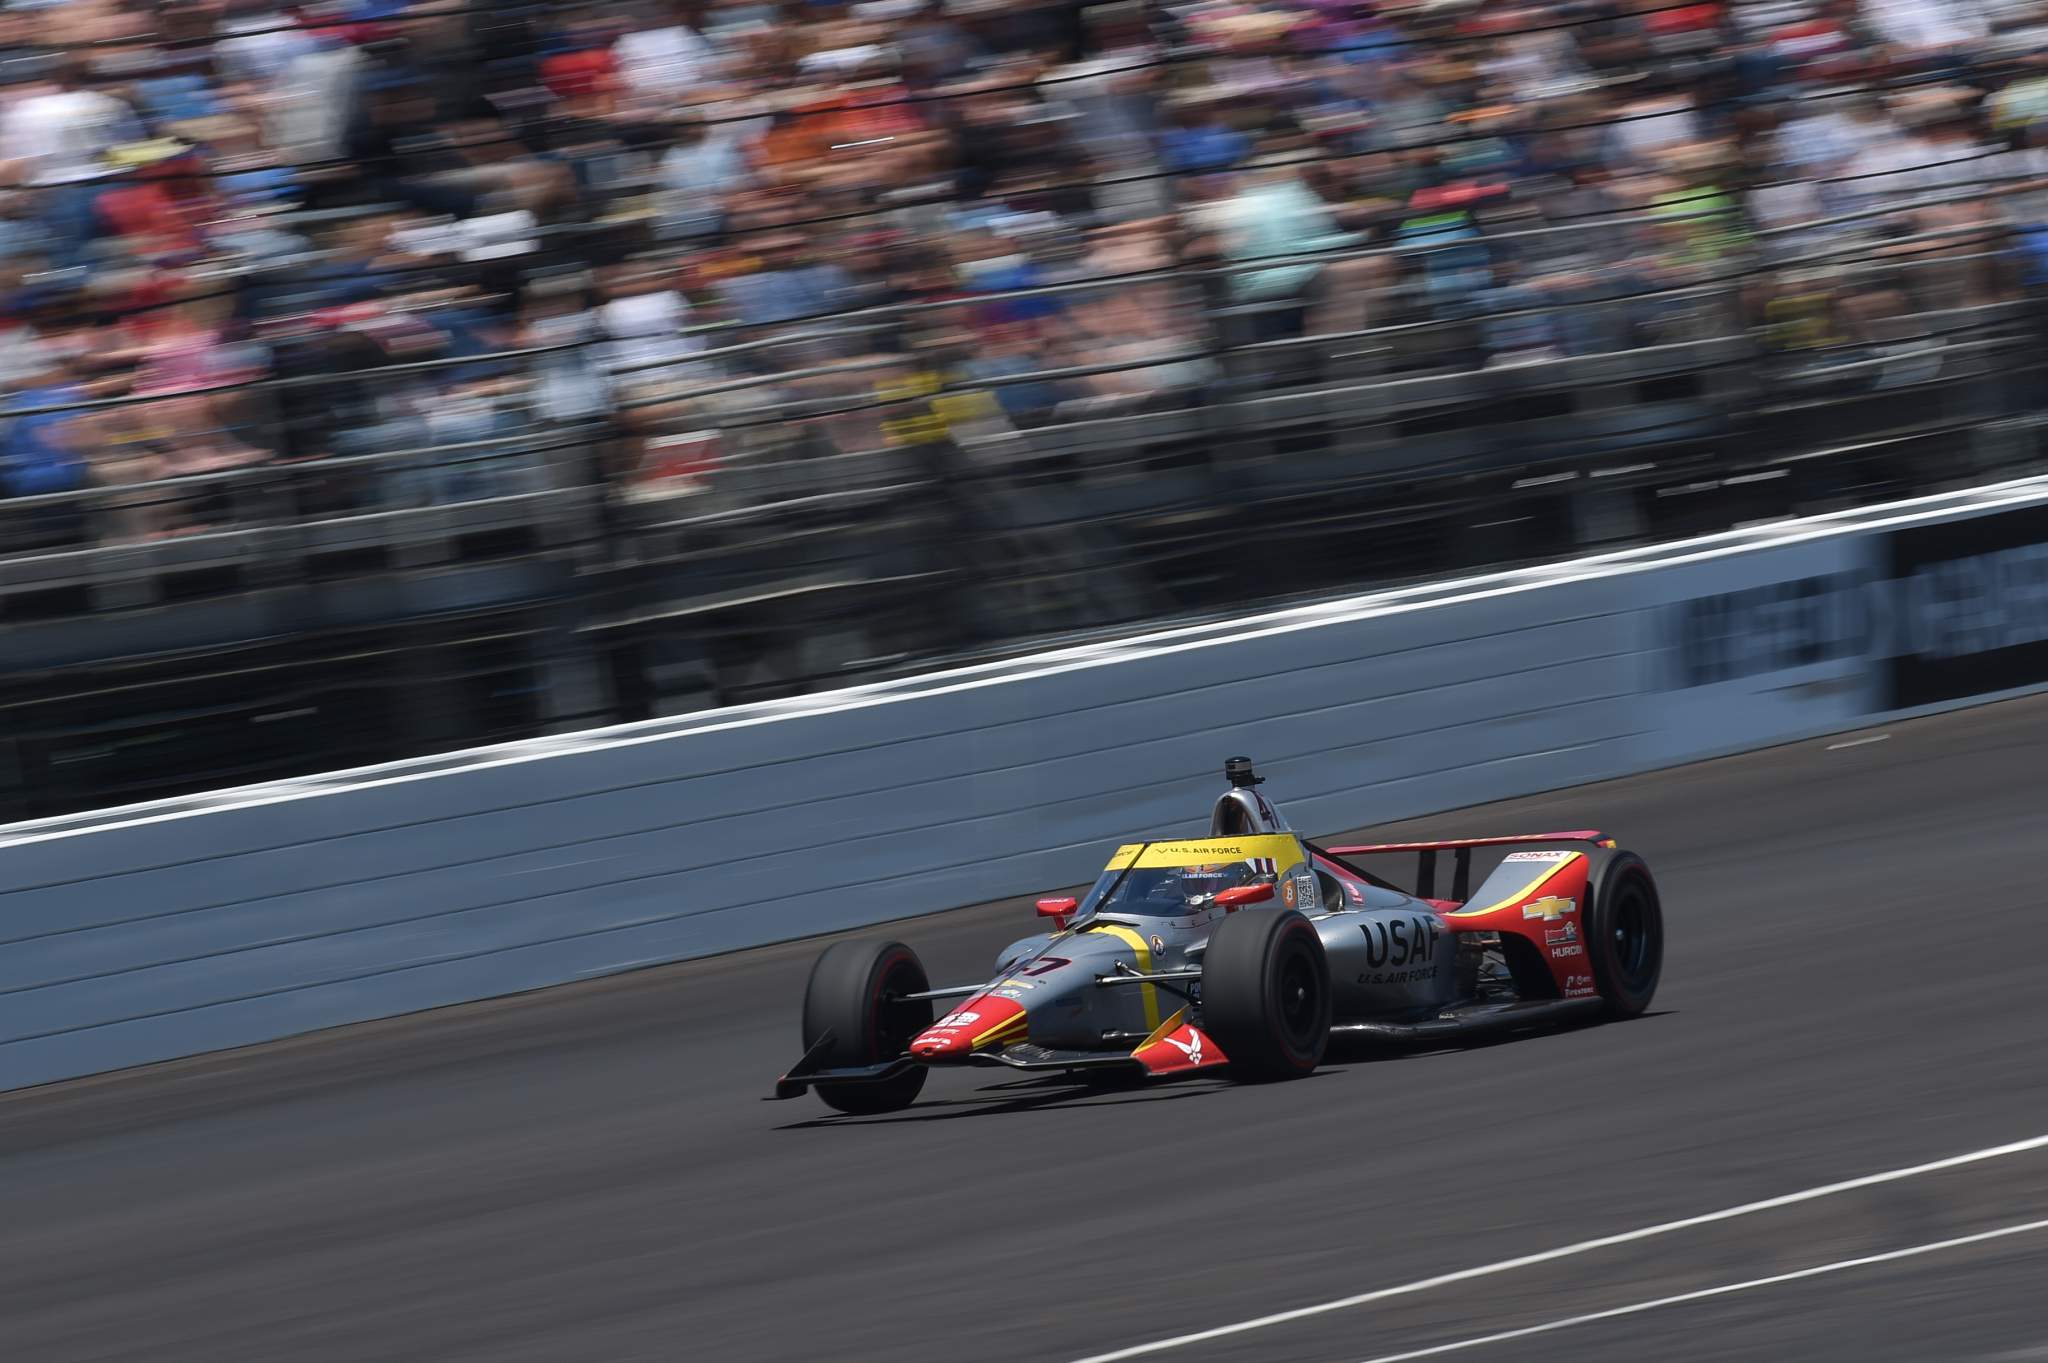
pixel 856 994
pixel 1266 994
pixel 1624 933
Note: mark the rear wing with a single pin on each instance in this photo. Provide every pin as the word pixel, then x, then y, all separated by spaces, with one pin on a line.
pixel 1461 866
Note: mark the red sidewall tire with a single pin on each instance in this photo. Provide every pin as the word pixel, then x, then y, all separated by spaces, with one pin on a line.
pixel 1624 920
pixel 855 995
pixel 1266 994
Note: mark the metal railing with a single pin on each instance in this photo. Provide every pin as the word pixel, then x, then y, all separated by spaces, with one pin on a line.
pixel 733 418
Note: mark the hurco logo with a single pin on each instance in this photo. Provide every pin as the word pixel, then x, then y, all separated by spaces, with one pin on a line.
pixel 1550 908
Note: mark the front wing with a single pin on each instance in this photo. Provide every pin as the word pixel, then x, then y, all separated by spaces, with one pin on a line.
pixel 1176 1048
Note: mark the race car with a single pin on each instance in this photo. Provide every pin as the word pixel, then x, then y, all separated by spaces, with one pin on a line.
pixel 1244 952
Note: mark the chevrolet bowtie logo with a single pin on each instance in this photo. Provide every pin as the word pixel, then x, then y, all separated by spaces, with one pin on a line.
pixel 1550 908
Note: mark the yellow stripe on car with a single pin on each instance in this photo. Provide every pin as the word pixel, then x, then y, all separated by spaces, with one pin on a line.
pixel 1009 1023
pixel 1519 895
pixel 1164 1029
pixel 1279 848
pixel 1137 943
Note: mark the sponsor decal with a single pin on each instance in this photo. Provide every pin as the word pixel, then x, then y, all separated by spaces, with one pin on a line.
pixel 1561 936
pixel 1018 984
pixel 1176 1046
pixel 956 1034
pixel 1006 993
pixel 1550 908
pixel 1266 852
pixel 1305 888
pixel 1772 628
pixel 1044 965
pixel 1568 951
pixel 1948 610
pixel 1400 941
pixel 1415 976
pixel 1158 942
pixel 1555 866
pixel 1287 893
pixel 1577 986
pixel 1537 856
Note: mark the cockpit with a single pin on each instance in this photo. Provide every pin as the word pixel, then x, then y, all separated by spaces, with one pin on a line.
pixel 1249 844
pixel 1177 891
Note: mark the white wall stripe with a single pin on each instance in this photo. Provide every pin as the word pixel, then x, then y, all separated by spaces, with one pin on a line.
pixel 1397 601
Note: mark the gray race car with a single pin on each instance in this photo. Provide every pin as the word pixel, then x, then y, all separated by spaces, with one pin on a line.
pixel 1248 949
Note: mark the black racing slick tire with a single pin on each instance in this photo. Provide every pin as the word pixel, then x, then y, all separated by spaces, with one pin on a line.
pixel 856 994
pixel 1624 932
pixel 1266 994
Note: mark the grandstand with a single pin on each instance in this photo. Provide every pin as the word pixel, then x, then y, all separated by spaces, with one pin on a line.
pixel 384 378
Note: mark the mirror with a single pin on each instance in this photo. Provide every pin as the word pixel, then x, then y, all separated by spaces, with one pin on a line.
pixel 1057 908
pixel 1237 896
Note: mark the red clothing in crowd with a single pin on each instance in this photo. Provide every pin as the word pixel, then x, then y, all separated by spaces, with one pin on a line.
pixel 160 216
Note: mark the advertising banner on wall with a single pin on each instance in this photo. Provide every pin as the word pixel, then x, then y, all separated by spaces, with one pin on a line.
pixel 1798 639
pixel 1967 605
pixel 1752 647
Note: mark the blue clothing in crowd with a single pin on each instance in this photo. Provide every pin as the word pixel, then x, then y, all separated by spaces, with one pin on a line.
pixel 33 459
pixel 177 99
pixel 1208 148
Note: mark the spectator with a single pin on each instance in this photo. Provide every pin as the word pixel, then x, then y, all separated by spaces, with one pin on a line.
pixel 40 450
pixel 1271 214
pixel 262 42
pixel 56 132
pixel 662 60
pixel 703 168
pixel 382 182
pixel 787 283
pixel 163 205
pixel 1200 140
pixel 560 316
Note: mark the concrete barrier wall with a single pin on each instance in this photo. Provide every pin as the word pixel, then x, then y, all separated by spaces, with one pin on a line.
pixel 164 931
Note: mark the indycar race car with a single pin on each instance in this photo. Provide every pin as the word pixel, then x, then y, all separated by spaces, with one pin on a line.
pixel 1247 950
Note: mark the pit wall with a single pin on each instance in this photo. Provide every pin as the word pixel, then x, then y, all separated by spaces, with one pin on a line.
pixel 158 931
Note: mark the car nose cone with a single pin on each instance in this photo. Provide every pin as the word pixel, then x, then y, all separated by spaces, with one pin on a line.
pixel 980 1024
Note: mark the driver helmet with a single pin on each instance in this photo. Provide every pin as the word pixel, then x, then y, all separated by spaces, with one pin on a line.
pixel 1204 882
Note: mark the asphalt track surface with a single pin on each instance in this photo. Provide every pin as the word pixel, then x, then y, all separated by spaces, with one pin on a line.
pixel 1853 984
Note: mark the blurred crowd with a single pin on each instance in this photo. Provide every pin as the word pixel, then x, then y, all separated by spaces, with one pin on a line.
pixel 401 248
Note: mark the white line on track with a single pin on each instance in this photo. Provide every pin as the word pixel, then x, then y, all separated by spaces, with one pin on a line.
pixel 1857 742
pixel 1568 1251
pixel 1637 1308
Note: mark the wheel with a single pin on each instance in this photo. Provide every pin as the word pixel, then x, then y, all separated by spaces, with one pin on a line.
pixel 1624 933
pixel 856 994
pixel 1266 994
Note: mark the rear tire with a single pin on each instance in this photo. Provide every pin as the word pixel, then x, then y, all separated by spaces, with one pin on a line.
pixel 856 994
pixel 1624 933
pixel 1266 994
